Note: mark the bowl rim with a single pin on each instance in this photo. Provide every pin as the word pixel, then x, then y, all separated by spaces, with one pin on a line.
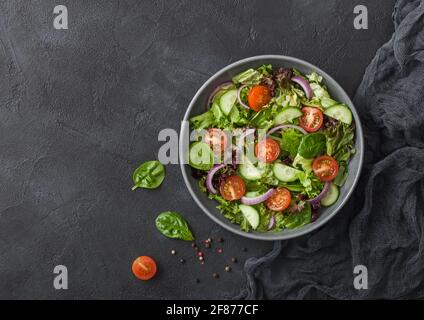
pixel 277 235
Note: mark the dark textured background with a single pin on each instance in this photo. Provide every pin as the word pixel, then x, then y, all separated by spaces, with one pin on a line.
pixel 81 108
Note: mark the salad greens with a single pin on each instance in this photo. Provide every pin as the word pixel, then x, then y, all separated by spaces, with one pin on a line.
pixel 312 145
pixel 149 175
pixel 298 165
pixel 172 225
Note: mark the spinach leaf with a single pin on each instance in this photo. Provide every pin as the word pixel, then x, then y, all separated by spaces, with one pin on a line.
pixel 312 145
pixel 298 219
pixel 149 175
pixel 290 141
pixel 172 225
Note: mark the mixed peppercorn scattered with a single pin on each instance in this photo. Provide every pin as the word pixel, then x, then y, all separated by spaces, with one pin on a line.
pixel 200 254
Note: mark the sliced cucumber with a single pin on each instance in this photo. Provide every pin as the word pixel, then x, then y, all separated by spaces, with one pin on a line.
pixel 251 172
pixel 287 115
pixel 228 100
pixel 331 196
pixel 216 110
pixel 252 194
pixel 340 112
pixel 218 95
pixel 201 156
pixel 285 173
pixel 251 215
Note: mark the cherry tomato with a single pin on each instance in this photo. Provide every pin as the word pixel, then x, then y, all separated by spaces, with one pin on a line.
pixel 258 97
pixel 325 168
pixel 144 268
pixel 232 188
pixel 279 201
pixel 267 150
pixel 312 119
pixel 217 139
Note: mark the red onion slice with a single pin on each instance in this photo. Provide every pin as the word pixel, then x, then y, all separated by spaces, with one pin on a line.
pixel 304 84
pixel 317 199
pixel 286 126
pixel 271 223
pixel 210 175
pixel 239 97
pixel 258 199
pixel 224 85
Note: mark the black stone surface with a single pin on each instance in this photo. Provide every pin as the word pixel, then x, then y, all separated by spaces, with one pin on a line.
pixel 81 108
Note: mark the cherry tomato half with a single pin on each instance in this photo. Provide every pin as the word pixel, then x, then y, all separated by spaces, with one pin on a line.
pixel 217 139
pixel 144 268
pixel 267 150
pixel 279 201
pixel 312 119
pixel 232 188
pixel 325 168
pixel 258 97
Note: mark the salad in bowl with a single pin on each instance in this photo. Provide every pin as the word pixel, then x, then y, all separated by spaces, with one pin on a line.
pixel 272 148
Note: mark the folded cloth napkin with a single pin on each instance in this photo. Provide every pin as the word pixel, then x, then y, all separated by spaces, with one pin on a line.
pixel 381 227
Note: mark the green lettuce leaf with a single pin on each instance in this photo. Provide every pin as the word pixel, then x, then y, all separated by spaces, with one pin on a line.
pixel 203 121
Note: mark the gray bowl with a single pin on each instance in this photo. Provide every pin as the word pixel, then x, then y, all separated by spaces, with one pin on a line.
pixel 197 106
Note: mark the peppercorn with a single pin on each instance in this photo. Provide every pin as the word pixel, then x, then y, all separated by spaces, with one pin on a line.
pixel 182 260
pixel 215 275
pixel 227 268
pixel 173 252
pixel 234 260
pixel 200 258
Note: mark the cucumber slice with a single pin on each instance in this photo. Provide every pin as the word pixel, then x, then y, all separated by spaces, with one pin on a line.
pixel 216 110
pixel 219 94
pixel 331 196
pixel 285 173
pixel 287 115
pixel 228 100
pixel 251 215
pixel 340 112
pixel 252 194
pixel 251 172
pixel 201 156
